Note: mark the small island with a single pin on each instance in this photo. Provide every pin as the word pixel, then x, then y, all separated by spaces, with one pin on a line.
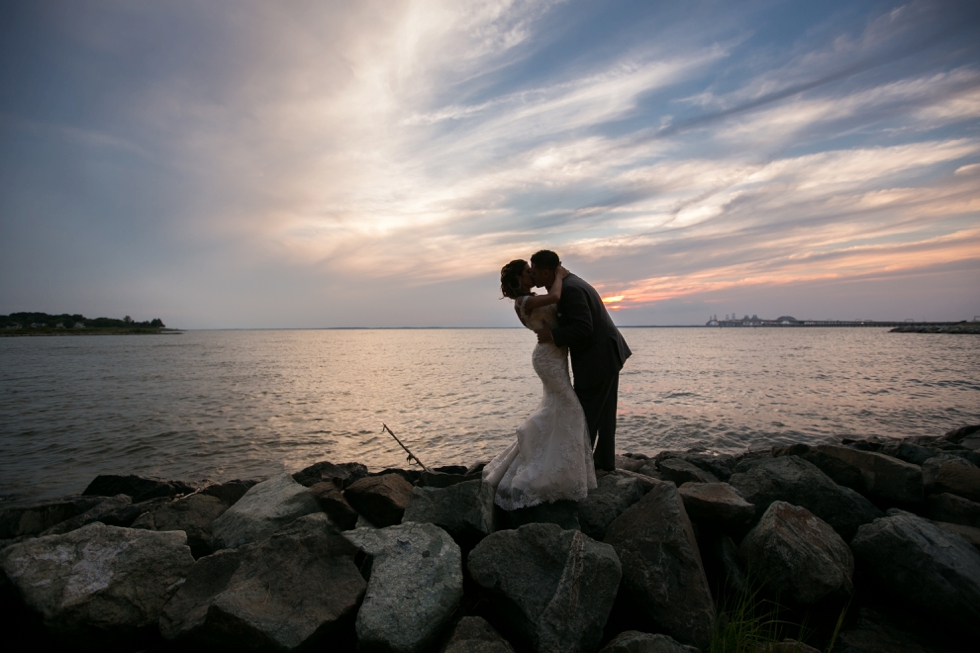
pixel 42 324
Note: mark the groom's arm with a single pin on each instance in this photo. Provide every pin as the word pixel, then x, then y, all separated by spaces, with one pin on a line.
pixel 575 316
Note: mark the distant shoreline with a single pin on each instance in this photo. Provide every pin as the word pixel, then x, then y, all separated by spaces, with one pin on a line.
pixel 42 332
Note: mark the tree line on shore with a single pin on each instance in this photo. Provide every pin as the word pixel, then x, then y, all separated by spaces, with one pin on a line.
pixel 27 320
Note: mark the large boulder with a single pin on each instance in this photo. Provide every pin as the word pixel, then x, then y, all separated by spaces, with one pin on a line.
pixel 954 509
pixel 475 635
pixel 866 471
pixel 229 492
pixel 445 479
pixel 633 641
pixel 32 520
pixel 922 563
pixel 799 554
pixel 464 510
pixel 952 474
pixel 551 589
pixel 283 593
pixel 415 585
pixel 614 494
pixel 798 482
pixel 136 487
pixel 717 503
pixel 113 511
pixel 193 514
pixel 874 632
pixel 264 509
pixel 330 498
pixel 326 472
pixel 662 570
pixel 98 580
pixel 381 499
pixel 680 471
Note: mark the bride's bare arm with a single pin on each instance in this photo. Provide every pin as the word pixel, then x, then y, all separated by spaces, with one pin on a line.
pixel 554 293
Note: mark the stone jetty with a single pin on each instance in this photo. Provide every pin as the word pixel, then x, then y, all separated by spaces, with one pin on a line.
pixel 874 543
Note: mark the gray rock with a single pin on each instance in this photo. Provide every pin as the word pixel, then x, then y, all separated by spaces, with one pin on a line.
pixel 717 503
pixel 969 533
pixel 381 499
pixel 721 466
pixel 648 477
pixel 475 635
pixel 629 463
pixel 263 510
pixel 229 492
pixel 795 481
pixel 17 522
pixel 800 555
pixel 923 564
pixel 283 593
pixel 865 471
pixel 649 470
pixel 552 588
pixel 952 474
pixel 662 569
pixel 193 514
pixel 910 453
pixel 958 435
pixel 98 579
pixel 953 509
pixel 680 471
pixel 139 489
pixel 633 641
pixel 872 632
pixel 326 472
pixel 114 511
pixel 614 494
pixel 464 510
pixel 331 500
pixel 416 584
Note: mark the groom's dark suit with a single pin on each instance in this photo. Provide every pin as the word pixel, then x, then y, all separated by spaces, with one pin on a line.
pixel 598 352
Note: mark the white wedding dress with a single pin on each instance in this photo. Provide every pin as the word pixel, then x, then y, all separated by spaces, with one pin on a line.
pixel 552 457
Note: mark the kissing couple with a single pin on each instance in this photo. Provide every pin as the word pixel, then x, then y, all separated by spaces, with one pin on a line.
pixel 553 458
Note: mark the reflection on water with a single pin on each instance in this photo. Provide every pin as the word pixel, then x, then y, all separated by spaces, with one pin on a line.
pixel 238 404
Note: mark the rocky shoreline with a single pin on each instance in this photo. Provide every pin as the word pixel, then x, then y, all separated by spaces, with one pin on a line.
pixel 871 544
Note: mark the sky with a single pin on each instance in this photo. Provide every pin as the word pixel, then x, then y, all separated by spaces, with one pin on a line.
pixel 246 164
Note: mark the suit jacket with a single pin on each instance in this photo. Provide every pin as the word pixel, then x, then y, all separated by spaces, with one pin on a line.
pixel 597 347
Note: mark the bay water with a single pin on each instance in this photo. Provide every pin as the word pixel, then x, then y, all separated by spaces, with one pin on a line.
pixel 219 405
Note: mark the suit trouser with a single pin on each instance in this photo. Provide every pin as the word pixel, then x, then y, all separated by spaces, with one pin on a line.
pixel 599 403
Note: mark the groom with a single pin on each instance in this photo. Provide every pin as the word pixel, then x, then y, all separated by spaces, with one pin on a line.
pixel 597 348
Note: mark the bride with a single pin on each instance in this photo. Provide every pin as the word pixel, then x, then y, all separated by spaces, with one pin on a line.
pixel 552 457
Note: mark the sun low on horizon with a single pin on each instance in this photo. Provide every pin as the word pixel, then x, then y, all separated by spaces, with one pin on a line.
pixel 303 164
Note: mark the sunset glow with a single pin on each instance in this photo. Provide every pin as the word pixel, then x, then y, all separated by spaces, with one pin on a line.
pixel 375 164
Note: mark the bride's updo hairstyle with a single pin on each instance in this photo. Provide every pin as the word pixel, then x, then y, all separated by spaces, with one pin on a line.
pixel 510 279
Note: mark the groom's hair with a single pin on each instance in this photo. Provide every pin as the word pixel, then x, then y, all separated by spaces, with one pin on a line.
pixel 546 260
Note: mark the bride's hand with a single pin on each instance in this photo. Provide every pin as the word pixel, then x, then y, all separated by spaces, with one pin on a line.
pixel 561 272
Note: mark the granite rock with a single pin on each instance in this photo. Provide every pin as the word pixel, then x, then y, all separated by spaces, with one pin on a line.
pixel 192 514
pixel 32 520
pixel 614 494
pixel 475 635
pixel 551 589
pixel 264 509
pixel 331 500
pixel 662 569
pixel 381 499
pixel 137 488
pixel 952 474
pixel 326 472
pixel 284 593
pixel 866 471
pixel 415 585
pixel 680 471
pixel 464 510
pixel 98 581
pixel 954 509
pixel 799 555
pixel 795 481
pixel 717 503
pixel 923 564
pixel 633 641
pixel 229 492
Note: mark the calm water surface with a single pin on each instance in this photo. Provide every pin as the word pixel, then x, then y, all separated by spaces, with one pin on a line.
pixel 241 404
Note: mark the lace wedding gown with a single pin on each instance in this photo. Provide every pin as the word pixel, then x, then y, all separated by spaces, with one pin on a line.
pixel 552 457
